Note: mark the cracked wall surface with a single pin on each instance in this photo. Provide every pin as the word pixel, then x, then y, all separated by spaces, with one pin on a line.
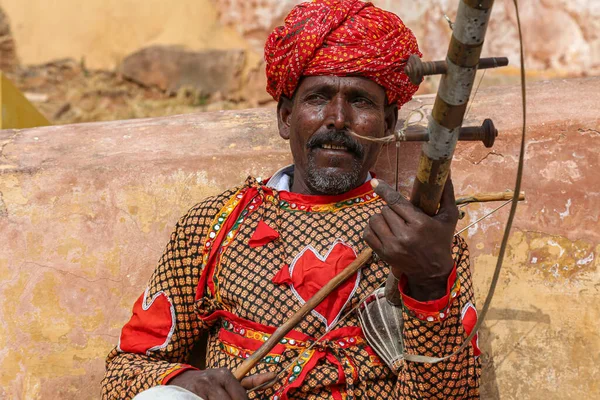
pixel 88 210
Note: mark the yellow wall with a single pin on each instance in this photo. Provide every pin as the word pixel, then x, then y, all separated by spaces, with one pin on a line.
pixel 16 111
pixel 105 31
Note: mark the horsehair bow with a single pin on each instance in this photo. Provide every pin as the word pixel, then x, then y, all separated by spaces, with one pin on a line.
pixel 444 129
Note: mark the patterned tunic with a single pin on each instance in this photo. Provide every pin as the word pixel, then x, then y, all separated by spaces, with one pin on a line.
pixel 238 265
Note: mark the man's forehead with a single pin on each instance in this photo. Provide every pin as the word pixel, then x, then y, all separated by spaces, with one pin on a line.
pixel 340 83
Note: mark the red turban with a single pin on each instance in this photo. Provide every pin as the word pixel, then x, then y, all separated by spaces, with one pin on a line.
pixel 341 38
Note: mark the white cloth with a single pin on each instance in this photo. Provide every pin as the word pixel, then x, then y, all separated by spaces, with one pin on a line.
pixel 167 393
pixel 281 179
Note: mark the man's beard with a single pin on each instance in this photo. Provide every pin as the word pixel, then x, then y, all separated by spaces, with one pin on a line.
pixel 332 183
pixel 325 181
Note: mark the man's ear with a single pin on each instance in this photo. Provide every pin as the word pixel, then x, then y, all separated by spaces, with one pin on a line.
pixel 284 113
pixel 391 119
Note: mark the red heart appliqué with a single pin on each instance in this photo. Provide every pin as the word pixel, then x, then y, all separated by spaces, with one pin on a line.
pixel 469 319
pixel 309 272
pixel 151 325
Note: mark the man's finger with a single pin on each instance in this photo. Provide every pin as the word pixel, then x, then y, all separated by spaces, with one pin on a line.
pixel 235 391
pixel 394 200
pixel 230 384
pixel 380 227
pixel 387 193
pixel 218 393
pixel 448 207
pixel 372 240
pixel 396 223
pixel 252 381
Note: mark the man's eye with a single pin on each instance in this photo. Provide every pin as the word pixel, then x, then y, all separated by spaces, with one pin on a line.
pixel 316 98
pixel 362 101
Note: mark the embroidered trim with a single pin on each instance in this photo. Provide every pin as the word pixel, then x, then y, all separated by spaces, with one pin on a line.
pixel 222 232
pixel 296 370
pixel 220 220
pixel 290 205
pixel 253 206
pixel 288 343
pixel 172 372
pixel 435 316
pixel 239 352
pixel 262 336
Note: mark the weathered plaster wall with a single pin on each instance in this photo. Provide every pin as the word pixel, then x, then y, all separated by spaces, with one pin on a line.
pixel 85 212
pixel 561 35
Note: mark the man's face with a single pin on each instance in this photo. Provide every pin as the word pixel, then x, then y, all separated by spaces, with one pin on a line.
pixel 318 121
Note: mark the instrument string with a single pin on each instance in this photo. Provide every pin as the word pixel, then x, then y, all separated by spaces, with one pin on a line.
pixel 475 94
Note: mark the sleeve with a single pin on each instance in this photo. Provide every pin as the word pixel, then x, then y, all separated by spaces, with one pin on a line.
pixel 155 345
pixel 436 329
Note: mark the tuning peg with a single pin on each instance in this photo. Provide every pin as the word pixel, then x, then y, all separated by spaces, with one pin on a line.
pixel 417 69
pixel 486 133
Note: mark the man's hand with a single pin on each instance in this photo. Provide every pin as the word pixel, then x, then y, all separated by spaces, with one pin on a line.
pixel 412 243
pixel 219 384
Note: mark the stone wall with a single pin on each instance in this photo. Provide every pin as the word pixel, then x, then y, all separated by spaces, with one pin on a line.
pixel 86 210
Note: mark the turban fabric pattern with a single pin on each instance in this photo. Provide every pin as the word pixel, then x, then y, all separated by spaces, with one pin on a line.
pixel 341 38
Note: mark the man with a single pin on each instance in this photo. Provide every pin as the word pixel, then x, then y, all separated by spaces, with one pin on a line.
pixel 239 264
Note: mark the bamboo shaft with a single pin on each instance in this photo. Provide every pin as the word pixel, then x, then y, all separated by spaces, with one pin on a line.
pixel 451 103
pixel 420 134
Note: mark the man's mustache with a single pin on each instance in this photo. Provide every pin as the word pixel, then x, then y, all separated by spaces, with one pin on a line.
pixel 340 138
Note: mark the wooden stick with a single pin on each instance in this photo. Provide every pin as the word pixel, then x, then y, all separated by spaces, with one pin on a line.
pixel 487 197
pixel 291 323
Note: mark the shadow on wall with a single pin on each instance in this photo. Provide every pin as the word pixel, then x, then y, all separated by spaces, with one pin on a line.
pixel 490 362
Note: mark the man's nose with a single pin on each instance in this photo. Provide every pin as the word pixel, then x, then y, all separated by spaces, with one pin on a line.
pixel 337 116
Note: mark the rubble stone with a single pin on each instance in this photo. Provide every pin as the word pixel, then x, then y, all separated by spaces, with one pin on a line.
pixel 172 68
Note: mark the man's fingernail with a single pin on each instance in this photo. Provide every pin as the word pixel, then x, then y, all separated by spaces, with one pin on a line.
pixel 374 183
